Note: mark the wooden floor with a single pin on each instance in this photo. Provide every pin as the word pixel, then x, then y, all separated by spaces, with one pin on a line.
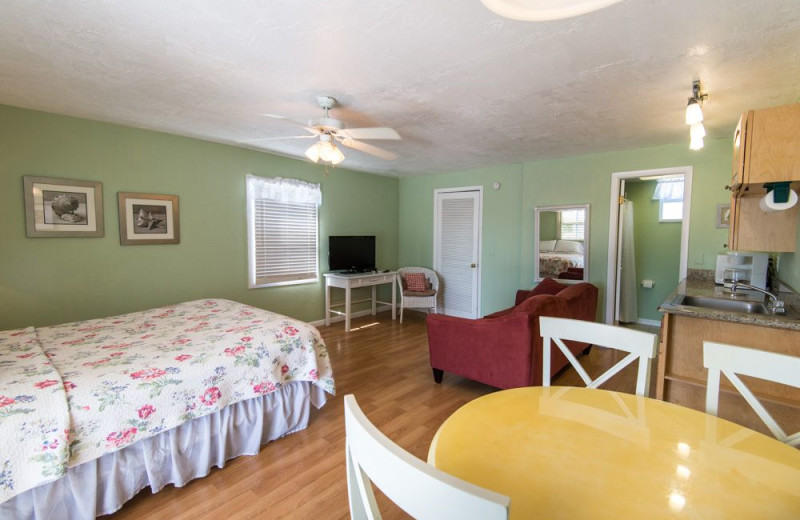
pixel 385 365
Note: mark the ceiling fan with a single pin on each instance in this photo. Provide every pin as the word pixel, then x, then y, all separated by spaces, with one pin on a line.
pixel 329 131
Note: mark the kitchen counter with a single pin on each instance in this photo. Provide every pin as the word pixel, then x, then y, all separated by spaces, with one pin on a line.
pixel 707 288
pixel 680 375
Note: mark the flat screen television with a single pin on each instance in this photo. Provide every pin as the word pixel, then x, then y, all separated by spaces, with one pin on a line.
pixel 352 254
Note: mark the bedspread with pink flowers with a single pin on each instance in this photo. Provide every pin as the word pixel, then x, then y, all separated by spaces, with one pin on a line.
pixel 34 418
pixel 130 377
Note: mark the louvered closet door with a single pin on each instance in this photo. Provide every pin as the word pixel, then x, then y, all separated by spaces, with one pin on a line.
pixel 457 251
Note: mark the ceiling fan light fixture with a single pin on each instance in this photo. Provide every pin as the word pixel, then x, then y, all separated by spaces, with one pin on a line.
pixel 313 152
pixel 325 150
pixel 542 10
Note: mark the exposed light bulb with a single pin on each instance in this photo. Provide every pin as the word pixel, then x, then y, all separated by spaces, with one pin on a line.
pixel 696 143
pixel 697 130
pixel 694 114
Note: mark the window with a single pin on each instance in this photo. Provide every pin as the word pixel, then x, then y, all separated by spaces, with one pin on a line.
pixel 282 231
pixel 670 210
pixel 669 192
pixel 571 223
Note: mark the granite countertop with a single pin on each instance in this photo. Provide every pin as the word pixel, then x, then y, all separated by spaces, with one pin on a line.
pixel 707 288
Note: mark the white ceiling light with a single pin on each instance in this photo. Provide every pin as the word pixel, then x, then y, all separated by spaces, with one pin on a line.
pixel 325 150
pixel 541 10
pixel 694 117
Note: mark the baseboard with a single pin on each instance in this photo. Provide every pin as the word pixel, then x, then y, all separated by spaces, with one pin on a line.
pixel 356 314
pixel 649 323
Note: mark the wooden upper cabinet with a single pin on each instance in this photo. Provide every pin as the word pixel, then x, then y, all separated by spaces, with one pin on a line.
pixel 766 146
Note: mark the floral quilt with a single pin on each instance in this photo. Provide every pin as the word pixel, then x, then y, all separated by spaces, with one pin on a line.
pixel 550 264
pixel 34 419
pixel 130 377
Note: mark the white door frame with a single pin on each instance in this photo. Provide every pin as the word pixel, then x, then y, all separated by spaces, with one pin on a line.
pixel 613 226
pixel 478 238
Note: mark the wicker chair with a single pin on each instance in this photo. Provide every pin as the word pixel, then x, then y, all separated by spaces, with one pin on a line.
pixel 417 299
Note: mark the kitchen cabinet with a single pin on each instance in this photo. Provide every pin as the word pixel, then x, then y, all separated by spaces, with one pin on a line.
pixel 681 377
pixel 766 146
pixel 753 230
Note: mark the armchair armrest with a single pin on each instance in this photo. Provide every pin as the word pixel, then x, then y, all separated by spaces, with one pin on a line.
pixel 494 351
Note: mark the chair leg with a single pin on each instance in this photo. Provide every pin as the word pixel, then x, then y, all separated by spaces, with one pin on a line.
pixel 401 315
pixel 437 375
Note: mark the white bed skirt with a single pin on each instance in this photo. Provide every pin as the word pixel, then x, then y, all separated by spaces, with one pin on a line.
pixel 189 451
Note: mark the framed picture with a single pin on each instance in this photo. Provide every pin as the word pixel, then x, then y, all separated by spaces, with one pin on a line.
pixel 723 215
pixel 63 207
pixel 145 218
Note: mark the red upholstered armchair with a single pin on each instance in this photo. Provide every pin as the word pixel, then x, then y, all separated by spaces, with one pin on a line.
pixel 504 349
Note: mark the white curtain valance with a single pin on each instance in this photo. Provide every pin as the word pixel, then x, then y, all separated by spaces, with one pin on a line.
pixel 287 191
pixel 669 189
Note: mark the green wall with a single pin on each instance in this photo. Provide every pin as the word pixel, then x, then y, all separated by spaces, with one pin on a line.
pixel 548 225
pixel 500 233
pixel 658 249
pixel 51 280
pixel 508 217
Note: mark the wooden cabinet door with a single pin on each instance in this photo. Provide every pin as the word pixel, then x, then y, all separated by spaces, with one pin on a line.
pixel 739 142
pixel 753 230
pixel 772 145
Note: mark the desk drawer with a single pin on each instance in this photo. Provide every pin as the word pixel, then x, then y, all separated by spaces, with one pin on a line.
pixel 372 280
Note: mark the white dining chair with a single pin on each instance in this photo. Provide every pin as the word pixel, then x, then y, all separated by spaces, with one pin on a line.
pixel 639 345
pixel 733 360
pixel 410 299
pixel 418 488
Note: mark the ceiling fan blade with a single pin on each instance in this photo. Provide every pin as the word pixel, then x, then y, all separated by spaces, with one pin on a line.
pixel 369 149
pixel 279 138
pixel 304 124
pixel 371 133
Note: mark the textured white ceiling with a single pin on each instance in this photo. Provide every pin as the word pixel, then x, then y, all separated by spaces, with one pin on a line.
pixel 463 87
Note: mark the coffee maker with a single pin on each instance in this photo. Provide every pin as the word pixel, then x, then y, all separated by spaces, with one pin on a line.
pixel 742 266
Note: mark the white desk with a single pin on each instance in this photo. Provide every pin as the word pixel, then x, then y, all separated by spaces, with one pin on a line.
pixel 354 281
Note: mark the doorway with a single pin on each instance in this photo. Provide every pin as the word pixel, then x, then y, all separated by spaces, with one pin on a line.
pixel 456 249
pixel 616 254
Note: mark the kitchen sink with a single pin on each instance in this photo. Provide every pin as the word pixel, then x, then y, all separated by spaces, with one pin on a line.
pixel 723 305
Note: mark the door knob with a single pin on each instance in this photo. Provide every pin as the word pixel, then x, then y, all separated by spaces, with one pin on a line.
pixel 473 265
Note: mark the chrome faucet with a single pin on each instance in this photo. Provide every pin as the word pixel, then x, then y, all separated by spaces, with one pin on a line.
pixel 776 305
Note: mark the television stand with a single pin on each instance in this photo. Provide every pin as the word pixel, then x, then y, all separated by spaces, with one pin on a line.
pixel 349 281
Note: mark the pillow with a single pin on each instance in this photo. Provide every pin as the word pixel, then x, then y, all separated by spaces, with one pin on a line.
pixel 416 282
pixel 547 286
pixel 547 246
pixel 569 246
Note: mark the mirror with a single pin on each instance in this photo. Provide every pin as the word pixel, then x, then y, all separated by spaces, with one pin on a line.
pixel 562 243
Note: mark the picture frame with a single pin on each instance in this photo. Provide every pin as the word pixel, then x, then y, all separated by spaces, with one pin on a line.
pixel 62 208
pixel 723 215
pixel 148 218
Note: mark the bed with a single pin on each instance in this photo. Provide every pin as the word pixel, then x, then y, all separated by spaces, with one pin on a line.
pixel 92 412
pixel 551 264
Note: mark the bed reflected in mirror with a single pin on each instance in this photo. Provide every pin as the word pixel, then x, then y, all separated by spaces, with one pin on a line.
pixel 562 243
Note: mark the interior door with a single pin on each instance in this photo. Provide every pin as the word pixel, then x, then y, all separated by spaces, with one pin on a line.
pixel 618 267
pixel 457 225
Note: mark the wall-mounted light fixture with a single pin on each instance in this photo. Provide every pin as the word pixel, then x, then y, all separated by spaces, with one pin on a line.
pixel 694 117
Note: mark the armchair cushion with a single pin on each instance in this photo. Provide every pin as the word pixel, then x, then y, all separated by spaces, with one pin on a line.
pixel 416 282
pixel 429 292
pixel 546 286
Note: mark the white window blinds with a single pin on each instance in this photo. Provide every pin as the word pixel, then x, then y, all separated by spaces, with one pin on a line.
pixel 282 231
pixel 571 224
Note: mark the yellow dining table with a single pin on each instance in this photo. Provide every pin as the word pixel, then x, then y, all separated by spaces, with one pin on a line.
pixel 577 453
